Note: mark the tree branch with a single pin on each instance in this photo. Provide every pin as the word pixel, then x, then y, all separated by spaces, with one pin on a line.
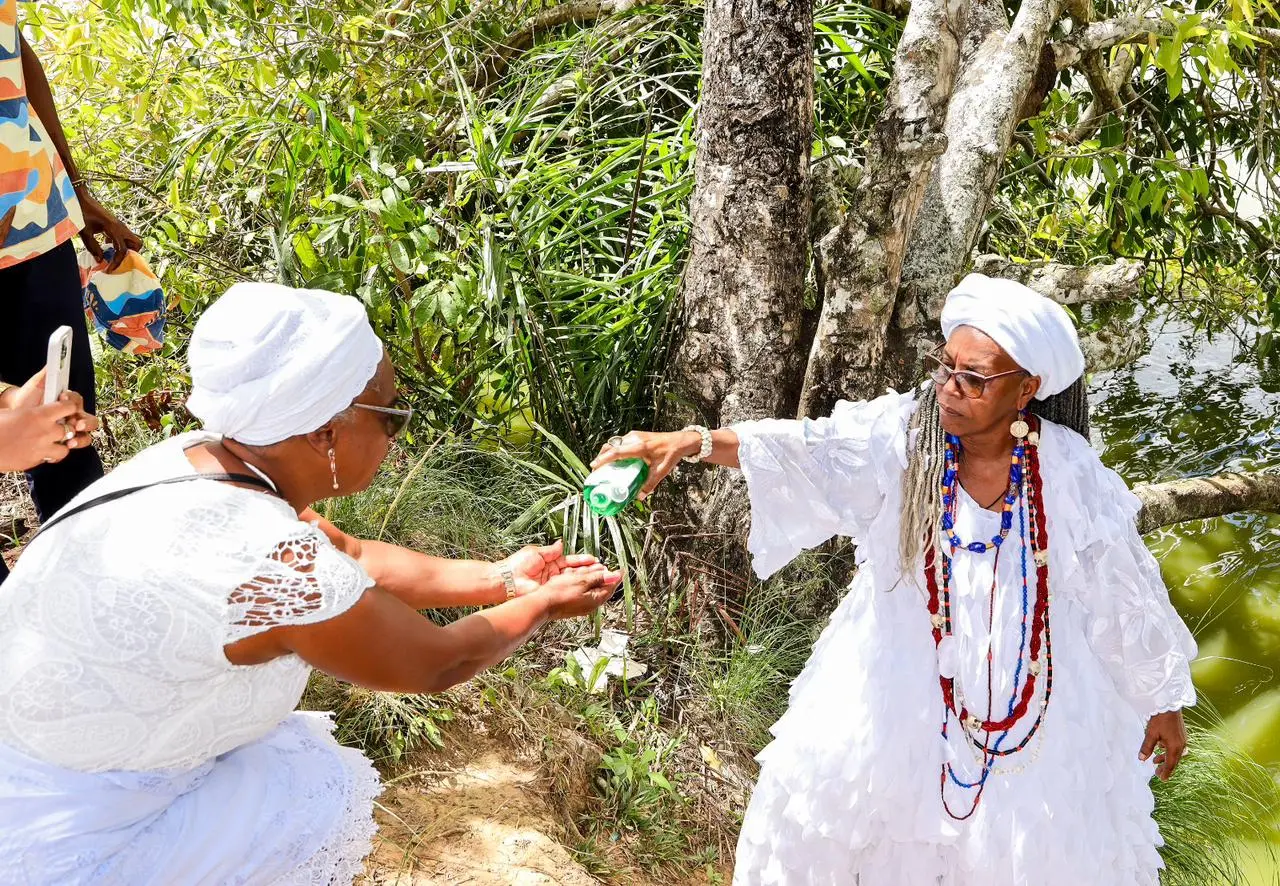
pixel 1102 35
pixel 575 12
pixel 1000 81
pixel 1070 284
pixel 1198 498
pixel 1106 96
pixel 1117 342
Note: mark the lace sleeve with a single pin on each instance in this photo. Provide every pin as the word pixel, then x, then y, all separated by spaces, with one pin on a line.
pixel 813 479
pixel 304 579
pixel 1131 623
pixel 1135 629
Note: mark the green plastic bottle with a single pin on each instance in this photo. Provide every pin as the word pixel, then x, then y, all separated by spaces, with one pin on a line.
pixel 610 488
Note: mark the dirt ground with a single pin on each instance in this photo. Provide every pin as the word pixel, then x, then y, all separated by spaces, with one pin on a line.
pixel 486 812
pixel 479 822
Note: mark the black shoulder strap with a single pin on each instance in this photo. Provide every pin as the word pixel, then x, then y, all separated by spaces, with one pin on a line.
pixel 246 479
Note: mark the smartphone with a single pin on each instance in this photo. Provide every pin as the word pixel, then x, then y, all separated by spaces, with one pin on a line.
pixel 58 364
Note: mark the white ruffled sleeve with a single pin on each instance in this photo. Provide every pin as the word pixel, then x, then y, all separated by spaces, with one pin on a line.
pixel 302 580
pixel 814 479
pixel 1132 625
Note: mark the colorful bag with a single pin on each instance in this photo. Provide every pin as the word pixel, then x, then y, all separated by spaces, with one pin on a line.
pixel 126 305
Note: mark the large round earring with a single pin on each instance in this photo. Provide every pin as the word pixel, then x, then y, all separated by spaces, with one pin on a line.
pixel 333 466
pixel 1020 428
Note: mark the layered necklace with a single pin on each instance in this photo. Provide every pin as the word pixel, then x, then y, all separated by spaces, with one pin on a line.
pixel 1024 496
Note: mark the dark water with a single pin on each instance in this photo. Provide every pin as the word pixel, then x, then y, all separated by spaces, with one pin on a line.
pixel 1197 405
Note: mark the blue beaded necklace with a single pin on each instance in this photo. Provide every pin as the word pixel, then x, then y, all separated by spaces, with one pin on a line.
pixel 949 474
pixel 1017 494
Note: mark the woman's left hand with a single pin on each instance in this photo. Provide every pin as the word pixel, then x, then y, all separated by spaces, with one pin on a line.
pixel 1169 732
pixel 534 566
pixel 98 220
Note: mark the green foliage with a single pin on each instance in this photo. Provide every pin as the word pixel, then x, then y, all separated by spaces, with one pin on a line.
pixel 385 725
pixel 1183 178
pixel 517 243
pixel 1218 801
pixel 746 679
pixel 639 803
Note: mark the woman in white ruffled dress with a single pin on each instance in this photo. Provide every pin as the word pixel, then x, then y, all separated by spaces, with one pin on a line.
pixel 992 713
pixel 157 635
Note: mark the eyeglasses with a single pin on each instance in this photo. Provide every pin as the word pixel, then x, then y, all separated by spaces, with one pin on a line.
pixel 972 385
pixel 397 415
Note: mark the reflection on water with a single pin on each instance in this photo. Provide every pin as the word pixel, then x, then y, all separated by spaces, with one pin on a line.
pixel 1198 406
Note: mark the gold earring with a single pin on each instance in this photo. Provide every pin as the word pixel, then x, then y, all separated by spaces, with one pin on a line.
pixel 333 466
pixel 1020 428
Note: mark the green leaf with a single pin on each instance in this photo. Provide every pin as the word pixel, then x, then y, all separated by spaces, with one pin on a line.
pixel 305 252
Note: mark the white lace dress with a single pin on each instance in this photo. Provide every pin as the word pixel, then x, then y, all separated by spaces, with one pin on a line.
pixel 131 751
pixel 849 790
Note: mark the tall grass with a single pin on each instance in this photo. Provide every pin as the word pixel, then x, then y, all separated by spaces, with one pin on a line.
pixel 1218 806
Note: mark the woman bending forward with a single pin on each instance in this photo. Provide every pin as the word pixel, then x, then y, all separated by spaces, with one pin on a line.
pixel 155 641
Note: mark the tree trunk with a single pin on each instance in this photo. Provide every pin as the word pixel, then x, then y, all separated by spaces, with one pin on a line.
pixel 999 67
pixel 860 261
pixel 744 285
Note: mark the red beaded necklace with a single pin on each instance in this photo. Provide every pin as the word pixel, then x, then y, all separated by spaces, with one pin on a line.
pixel 1027 485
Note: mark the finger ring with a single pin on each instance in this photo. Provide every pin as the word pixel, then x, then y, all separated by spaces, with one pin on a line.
pixel 615 442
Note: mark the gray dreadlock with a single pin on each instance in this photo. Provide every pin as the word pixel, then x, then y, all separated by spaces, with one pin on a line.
pixel 921 486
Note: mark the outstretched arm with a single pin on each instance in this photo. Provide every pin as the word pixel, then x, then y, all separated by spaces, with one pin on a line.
pixel 663 452
pixel 382 644
pixel 426 582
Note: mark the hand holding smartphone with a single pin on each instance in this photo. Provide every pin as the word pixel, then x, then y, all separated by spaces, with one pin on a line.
pixel 58 365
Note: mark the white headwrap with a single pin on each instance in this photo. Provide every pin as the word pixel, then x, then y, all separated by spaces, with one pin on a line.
pixel 1035 331
pixel 269 362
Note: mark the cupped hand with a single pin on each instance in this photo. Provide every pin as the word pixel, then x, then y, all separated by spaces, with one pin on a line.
pixel 1168 732
pixel 35 435
pixel 579 590
pixel 533 565
pixel 662 452
pixel 98 220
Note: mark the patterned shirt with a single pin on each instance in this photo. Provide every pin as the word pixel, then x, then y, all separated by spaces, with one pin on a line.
pixel 38 205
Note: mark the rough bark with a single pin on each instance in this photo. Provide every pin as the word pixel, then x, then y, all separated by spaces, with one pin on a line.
pixel 744 285
pixel 1197 498
pixel 997 73
pixel 1106 97
pixel 860 261
pixel 1118 342
pixel 743 289
pixel 1069 284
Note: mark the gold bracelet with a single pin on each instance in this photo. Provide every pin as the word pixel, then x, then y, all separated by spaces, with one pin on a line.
pixel 4 388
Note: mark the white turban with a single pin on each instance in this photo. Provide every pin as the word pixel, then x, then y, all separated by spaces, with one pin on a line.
pixel 1035 331
pixel 269 362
